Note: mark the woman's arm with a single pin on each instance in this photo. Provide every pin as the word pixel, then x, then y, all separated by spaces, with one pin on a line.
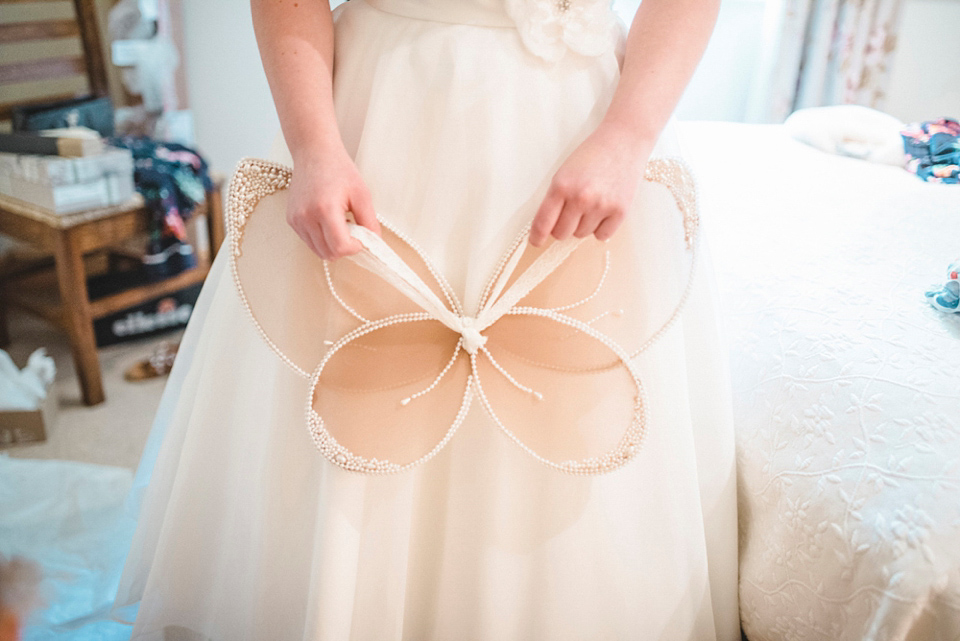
pixel 295 38
pixel 594 188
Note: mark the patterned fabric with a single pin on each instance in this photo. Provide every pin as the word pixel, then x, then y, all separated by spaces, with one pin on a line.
pixel 847 409
pixel 828 52
pixel 947 297
pixel 173 179
pixel 933 150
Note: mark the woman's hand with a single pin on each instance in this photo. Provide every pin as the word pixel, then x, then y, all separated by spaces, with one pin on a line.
pixel 324 187
pixel 594 188
pixel 296 47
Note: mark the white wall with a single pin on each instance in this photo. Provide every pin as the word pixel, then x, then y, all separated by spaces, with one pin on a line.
pixel 721 85
pixel 233 111
pixel 925 78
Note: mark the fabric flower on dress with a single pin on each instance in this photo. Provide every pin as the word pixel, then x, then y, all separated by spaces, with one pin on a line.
pixel 549 27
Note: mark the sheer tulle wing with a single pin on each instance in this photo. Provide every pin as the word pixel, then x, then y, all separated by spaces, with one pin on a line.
pixel 632 287
pixel 298 301
pixel 558 371
pixel 359 328
pixel 389 395
pixel 566 394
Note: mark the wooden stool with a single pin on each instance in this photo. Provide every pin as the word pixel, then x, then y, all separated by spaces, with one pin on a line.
pixel 69 238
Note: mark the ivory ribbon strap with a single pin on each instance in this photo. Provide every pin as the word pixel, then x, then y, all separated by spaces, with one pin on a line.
pixel 383 261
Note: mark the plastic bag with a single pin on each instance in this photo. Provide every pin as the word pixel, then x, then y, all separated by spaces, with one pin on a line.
pixel 25 389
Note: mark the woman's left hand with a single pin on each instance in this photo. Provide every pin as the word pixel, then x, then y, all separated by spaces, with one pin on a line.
pixel 592 191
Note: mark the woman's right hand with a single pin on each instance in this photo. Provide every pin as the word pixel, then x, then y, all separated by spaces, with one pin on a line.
pixel 324 187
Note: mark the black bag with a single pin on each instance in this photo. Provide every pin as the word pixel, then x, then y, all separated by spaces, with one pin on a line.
pixel 93 112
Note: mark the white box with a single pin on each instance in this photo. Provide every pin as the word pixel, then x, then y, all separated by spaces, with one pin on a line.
pixel 112 189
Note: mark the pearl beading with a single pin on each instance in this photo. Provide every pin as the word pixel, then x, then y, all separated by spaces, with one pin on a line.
pixel 337 453
pixel 676 175
pixel 255 178
pixel 523 388
pixel 436 381
pixel 336 295
pixel 632 438
pixel 596 290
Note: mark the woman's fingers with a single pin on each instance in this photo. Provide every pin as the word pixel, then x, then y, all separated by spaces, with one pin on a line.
pixel 607 227
pixel 314 238
pixel 571 210
pixel 588 224
pixel 568 221
pixel 324 231
pixel 338 239
pixel 308 233
pixel 324 191
pixel 334 225
pixel 362 207
pixel 546 217
pixel 574 220
pixel 604 219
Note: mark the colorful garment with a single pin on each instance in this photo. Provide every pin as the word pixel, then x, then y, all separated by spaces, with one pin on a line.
pixel 947 297
pixel 173 179
pixel 933 150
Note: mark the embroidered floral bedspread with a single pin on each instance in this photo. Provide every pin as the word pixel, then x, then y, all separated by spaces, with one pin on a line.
pixel 847 387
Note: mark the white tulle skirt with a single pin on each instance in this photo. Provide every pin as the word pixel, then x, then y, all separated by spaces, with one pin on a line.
pixel 247 532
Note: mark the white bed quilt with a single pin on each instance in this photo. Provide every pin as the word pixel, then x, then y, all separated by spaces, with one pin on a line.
pixel 846 386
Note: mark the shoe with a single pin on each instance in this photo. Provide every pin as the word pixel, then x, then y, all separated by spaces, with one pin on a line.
pixel 159 363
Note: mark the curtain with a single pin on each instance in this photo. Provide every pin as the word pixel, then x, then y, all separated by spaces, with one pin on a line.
pixel 825 52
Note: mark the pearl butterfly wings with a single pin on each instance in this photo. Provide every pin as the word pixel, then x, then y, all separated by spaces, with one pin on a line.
pixel 395 363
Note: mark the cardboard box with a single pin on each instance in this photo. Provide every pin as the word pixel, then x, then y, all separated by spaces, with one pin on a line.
pixel 151 318
pixel 27 427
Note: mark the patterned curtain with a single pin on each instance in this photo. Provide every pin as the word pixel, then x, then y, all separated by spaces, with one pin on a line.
pixel 826 52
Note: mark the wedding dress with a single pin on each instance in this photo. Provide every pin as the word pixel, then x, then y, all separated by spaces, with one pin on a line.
pixel 452 434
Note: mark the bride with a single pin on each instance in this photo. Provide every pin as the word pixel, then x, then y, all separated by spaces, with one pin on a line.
pixel 474 258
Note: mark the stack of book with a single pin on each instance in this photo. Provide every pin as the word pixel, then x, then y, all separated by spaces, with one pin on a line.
pixel 64 171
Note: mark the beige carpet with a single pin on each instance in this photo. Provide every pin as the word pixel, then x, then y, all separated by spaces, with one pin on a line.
pixel 111 433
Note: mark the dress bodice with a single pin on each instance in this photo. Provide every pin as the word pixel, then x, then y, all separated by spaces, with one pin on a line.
pixel 548 28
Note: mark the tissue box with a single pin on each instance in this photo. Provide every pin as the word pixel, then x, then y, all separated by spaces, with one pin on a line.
pixel 27 427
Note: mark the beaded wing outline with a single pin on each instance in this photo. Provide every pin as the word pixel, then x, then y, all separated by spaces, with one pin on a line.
pixel 394 362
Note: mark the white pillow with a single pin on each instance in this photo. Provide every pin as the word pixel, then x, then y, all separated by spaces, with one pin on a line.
pixel 850 130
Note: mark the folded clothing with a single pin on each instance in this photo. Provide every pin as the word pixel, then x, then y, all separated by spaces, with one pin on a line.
pixel 173 180
pixel 947 297
pixel 933 150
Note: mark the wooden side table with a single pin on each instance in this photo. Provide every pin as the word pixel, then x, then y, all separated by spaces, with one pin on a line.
pixel 69 238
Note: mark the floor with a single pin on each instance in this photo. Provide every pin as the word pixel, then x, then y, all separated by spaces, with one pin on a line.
pixel 111 433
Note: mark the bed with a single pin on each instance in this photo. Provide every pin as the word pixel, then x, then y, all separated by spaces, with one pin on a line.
pixel 846 386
